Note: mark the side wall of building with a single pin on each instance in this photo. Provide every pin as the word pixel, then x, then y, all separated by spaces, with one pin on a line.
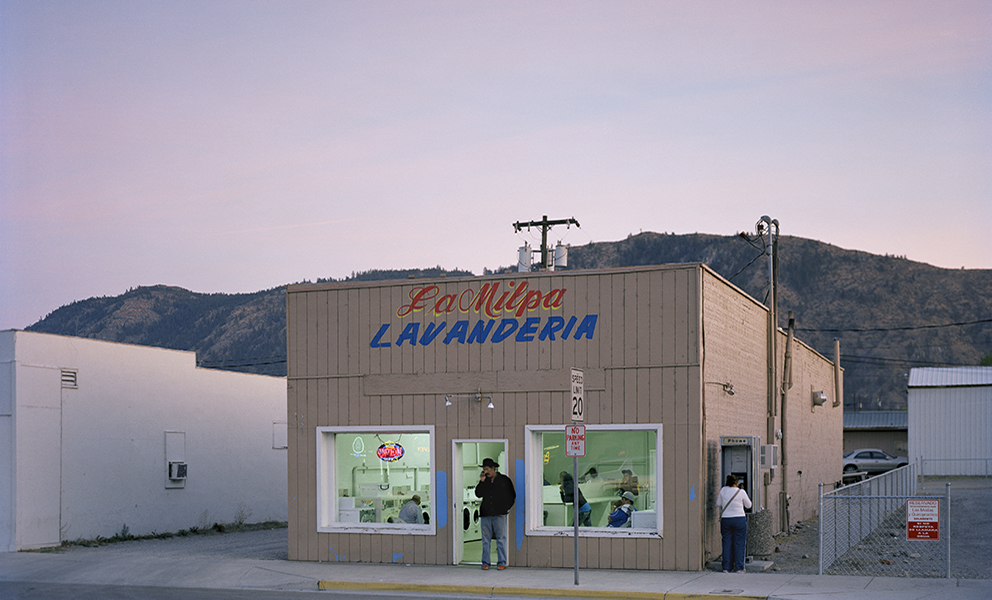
pixel 814 435
pixel 734 350
pixel 91 457
pixel 949 428
pixel 8 505
pixel 734 346
pixel 642 366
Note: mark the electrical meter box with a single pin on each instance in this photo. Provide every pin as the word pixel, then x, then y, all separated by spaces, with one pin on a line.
pixel 739 457
pixel 768 456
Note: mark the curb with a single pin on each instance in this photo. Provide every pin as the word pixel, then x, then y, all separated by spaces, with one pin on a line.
pixel 482 590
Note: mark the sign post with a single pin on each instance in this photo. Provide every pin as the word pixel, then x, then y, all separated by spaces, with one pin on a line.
pixel 575 446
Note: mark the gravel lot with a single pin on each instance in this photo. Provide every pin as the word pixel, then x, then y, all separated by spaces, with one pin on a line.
pixel 971 532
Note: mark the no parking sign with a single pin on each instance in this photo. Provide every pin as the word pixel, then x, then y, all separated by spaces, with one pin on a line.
pixel 575 440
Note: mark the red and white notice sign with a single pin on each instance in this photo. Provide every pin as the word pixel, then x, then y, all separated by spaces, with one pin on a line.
pixel 575 440
pixel 922 519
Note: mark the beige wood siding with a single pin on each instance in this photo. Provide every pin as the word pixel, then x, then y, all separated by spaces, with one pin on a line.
pixel 643 365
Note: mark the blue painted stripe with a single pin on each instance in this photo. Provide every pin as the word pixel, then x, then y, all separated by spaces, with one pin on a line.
pixel 441 504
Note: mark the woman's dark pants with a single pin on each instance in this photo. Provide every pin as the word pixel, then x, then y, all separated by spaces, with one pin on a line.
pixel 734 533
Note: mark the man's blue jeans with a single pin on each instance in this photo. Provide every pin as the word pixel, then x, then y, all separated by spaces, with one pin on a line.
pixel 493 527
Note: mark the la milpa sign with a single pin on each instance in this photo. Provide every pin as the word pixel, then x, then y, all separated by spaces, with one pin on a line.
pixel 500 313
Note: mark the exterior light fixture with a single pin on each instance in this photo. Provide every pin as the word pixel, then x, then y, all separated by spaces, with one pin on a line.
pixel 477 397
pixel 819 399
pixel 728 388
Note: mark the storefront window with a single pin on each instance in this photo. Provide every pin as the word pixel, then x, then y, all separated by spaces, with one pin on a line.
pixel 619 459
pixel 374 479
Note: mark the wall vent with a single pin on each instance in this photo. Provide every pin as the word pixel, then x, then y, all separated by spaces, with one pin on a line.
pixel 69 378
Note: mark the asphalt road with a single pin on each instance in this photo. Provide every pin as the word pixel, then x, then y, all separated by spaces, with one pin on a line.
pixel 58 591
pixel 36 591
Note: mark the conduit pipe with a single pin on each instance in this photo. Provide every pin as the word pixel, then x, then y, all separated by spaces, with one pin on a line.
pixel 838 382
pixel 786 386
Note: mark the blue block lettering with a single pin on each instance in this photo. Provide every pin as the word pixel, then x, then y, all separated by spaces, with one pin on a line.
pixel 526 333
pixel 505 330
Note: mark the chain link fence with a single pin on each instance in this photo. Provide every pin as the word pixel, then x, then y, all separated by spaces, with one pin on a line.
pixel 863 529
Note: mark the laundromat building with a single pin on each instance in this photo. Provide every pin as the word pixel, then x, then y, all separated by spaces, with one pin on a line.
pixel 401 388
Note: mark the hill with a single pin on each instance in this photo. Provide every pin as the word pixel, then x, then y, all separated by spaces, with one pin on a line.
pixel 890 313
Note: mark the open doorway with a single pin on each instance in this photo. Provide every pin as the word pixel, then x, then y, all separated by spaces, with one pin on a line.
pixel 466 466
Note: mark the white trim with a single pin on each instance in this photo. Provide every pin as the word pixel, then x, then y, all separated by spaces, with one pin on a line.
pixel 534 509
pixel 326 484
pixel 457 484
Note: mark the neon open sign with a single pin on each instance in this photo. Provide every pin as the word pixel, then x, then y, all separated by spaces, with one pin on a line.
pixel 390 451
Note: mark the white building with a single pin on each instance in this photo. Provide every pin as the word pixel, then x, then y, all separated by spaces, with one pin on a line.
pixel 950 417
pixel 96 436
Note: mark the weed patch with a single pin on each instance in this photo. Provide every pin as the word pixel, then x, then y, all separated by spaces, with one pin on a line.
pixel 125 535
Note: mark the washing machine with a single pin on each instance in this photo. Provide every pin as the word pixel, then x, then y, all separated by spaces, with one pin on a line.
pixel 470 516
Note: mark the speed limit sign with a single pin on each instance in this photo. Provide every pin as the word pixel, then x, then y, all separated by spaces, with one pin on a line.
pixel 578 390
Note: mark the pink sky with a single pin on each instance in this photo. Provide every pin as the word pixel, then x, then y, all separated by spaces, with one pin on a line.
pixel 238 146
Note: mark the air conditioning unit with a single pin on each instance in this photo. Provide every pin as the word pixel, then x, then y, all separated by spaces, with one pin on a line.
pixel 768 456
pixel 177 470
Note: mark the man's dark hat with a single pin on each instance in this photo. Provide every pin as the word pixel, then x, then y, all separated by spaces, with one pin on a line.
pixel 488 462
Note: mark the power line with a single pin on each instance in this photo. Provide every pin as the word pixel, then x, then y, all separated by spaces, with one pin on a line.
pixel 906 328
pixel 884 361
pixel 741 270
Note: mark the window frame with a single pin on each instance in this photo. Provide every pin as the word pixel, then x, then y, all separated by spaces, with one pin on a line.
pixel 326 483
pixel 534 464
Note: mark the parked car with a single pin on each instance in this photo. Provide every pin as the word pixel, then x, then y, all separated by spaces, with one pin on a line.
pixel 872 460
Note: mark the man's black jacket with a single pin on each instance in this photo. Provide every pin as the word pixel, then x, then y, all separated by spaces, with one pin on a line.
pixel 497 496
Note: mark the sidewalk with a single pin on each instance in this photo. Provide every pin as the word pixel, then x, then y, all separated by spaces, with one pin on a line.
pixel 175 563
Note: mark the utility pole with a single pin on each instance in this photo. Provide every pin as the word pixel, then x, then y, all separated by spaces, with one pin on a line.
pixel 767 223
pixel 545 225
pixel 776 390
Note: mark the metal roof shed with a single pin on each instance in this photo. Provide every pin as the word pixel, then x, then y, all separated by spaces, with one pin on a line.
pixel 950 417
pixel 876 420
pixel 884 429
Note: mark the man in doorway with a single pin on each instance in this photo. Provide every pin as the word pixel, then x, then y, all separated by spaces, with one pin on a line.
pixel 498 496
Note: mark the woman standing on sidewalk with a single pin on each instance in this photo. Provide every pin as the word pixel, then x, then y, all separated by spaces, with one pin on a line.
pixel 733 524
